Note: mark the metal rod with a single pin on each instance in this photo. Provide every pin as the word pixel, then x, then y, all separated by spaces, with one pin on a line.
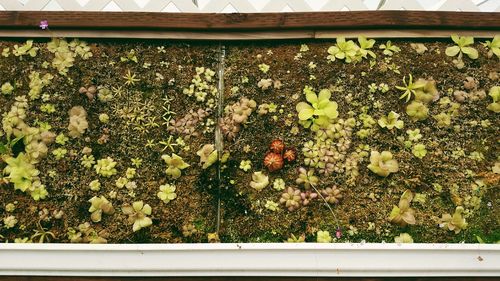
pixel 219 139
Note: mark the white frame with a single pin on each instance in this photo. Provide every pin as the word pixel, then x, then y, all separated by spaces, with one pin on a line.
pixel 253 259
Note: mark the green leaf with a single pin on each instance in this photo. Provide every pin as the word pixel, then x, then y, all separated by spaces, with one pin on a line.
pixel 311 97
pixel 452 51
pixel 470 52
pixel 455 38
pixel 331 110
pixel 324 94
pixel 306 113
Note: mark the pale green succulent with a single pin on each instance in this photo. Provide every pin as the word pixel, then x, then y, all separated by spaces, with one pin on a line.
pixel 98 206
pixel 389 49
pixel 245 165
pixel 20 172
pixel 319 111
pixel 454 223
pixel 391 121
pixel 443 119
pixel 495 95
pixel 7 88
pixel 175 164
pixel 414 135
pixel 323 237
pixel 167 193
pixel 382 164
pixel 37 191
pixel 403 238
pixel 271 205
pixel 493 46
pixel 403 214
pixel 264 67
pixel 419 150
pixel 417 111
pixel 343 50
pixel 138 215
pixel 364 47
pixel 307 178
pixel 462 47
pixel 106 167
pixel 259 181
pixel 95 185
pixel 279 184
pixel 410 88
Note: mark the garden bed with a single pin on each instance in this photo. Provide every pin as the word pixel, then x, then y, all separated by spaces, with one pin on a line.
pixel 140 104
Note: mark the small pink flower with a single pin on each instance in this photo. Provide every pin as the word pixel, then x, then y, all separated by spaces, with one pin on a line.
pixel 44 24
pixel 338 233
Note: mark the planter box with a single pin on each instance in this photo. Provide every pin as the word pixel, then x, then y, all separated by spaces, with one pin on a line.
pixel 341 260
pixel 266 259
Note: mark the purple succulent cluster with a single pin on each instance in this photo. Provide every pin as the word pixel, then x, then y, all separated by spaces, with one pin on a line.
pixel 187 124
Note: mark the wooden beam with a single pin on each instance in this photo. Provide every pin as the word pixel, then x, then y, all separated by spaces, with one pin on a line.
pixel 247 35
pixel 258 21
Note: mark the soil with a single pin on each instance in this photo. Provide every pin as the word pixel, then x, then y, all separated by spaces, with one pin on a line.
pixel 361 215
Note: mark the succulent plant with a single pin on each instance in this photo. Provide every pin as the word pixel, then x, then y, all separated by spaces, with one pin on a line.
pixel 403 214
pixel 245 165
pixel 403 238
pixel 290 155
pixel 167 193
pixel 295 239
pixel 291 198
pixel 77 121
pixel 259 181
pixel 277 146
pixel 175 164
pixel 493 46
pixel 235 115
pixel 410 88
pixel 391 121
pixel 389 49
pixel 495 95
pixel 454 223
pixel 106 167
pixel 273 161
pixel 271 205
pixel 332 195
pixel 323 237
pixel 443 119
pixel 364 47
pixel 343 50
pixel 462 46
pixel 307 197
pixel 20 172
pixel 279 184
pixel 417 111
pixel 208 155
pixel 7 88
pixel 138 215
pixel 319 111
pixel 307 178
pixel 187 124
pixel 189 230
pixel 419 150
pixel 98 206
pixel 382 164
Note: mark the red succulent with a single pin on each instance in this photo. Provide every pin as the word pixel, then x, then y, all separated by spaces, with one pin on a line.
pixel 290 155
pixel 273 161
pixel 277 146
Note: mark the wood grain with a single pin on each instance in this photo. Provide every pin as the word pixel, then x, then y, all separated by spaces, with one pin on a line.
pixel 256 21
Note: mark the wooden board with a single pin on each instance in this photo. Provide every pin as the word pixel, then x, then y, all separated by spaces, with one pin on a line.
pixel 256 21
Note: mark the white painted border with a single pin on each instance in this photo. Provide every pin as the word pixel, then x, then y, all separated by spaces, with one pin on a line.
pixel 283 259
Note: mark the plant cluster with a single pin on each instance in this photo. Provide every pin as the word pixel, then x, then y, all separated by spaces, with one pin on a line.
pixel 349 51
pixel 203 86
pixel 235 116
pixel 187 126
pixel 278 155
